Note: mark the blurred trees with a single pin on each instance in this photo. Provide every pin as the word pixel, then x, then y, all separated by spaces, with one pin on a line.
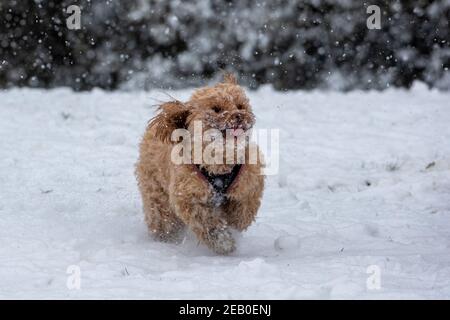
pixel 291 44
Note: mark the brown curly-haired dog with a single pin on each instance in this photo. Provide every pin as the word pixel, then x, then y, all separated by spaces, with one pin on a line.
pixel 179 195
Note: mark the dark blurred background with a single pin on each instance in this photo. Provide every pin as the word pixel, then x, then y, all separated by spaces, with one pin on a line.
pixel 142 44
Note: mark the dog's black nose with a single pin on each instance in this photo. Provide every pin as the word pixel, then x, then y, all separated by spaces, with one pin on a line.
pixel 237 118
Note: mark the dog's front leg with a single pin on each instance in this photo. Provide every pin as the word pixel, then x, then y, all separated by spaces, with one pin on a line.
pixel 243 204
pixel 207 224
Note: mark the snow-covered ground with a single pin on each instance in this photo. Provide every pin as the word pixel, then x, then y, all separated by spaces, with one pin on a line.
pixel 364 185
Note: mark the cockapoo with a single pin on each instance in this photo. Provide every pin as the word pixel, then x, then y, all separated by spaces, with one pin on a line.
pixel 209 198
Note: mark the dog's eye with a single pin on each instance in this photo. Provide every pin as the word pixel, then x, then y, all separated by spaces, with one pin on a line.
pixel 217 109
pixel 240 106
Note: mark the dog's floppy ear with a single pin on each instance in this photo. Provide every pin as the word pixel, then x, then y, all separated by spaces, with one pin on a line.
pixel 171 115
pixel 229 78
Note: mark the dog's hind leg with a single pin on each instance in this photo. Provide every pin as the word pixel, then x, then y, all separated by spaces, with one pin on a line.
pixel 162 223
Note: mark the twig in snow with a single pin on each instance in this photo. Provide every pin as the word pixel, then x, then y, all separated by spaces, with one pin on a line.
pixel 430 165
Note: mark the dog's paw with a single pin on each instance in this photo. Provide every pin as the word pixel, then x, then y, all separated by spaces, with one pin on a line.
pixel 173 233
pixel 221 241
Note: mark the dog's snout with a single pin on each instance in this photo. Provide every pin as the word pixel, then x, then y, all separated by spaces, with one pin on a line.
pixel 239 120
pixel 236 119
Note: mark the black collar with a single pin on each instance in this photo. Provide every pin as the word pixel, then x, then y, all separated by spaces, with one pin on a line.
pixel 220 182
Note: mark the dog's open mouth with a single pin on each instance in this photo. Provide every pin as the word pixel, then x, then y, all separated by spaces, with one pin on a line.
pixel 235 132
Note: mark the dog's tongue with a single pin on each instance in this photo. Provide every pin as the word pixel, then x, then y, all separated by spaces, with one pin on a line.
pixel 236 132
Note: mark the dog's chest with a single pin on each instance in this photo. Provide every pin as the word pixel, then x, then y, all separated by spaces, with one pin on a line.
pixel 220 184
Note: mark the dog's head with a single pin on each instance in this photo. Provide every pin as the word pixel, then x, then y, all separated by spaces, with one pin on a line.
pixel 223 107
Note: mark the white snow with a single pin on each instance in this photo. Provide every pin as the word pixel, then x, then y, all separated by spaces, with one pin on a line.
pixel 364 184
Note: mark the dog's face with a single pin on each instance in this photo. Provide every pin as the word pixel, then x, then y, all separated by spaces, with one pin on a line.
pixel 223 107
